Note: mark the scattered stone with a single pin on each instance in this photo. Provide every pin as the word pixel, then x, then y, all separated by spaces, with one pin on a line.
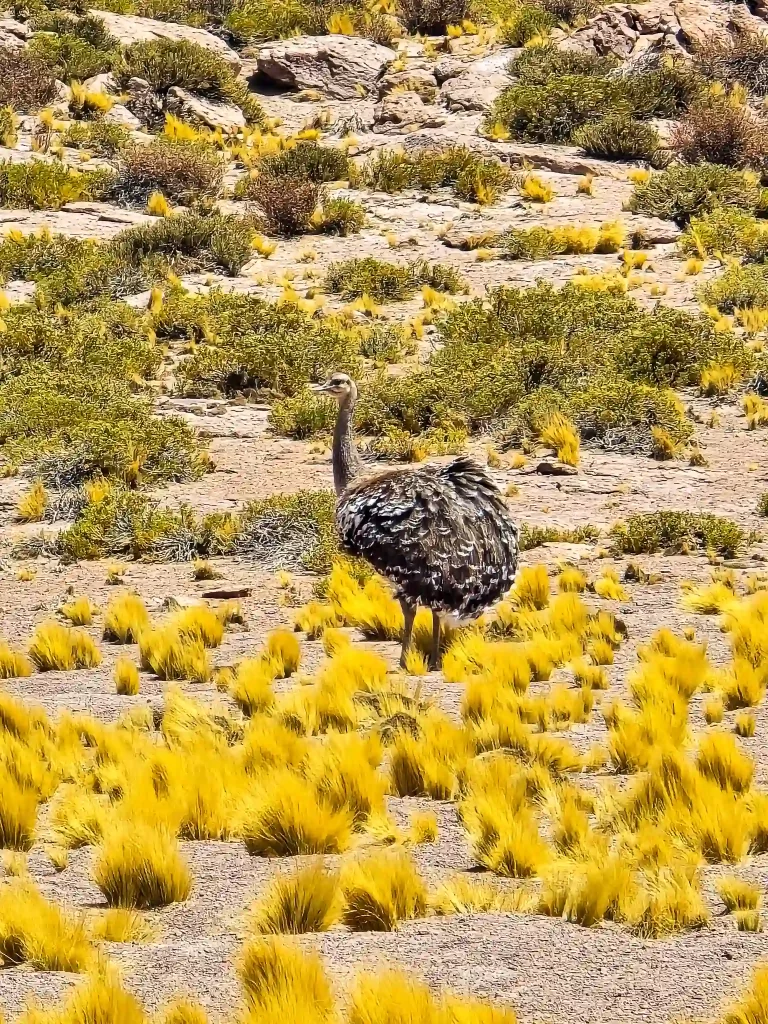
pixel 547 468
pixel 13 35
pixel 227 594
pixel 344 67
pixel 418 80
pixel 118 114
pixel 407 110
pixel 106 83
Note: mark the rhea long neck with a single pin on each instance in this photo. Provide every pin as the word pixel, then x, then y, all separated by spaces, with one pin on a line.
pixel 346 461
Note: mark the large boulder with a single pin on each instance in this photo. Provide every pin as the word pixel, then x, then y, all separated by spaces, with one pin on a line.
pixel 342 67
pixel 479 85
pixel 129 29
pixel 200 111
pixel 13 35
pixel 406 111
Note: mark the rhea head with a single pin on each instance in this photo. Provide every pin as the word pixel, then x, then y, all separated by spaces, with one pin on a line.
pixel 340 386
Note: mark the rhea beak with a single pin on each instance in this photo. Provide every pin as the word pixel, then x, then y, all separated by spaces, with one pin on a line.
pixel 319 388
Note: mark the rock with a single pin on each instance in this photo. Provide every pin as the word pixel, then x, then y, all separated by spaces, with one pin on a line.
pixel 546 468
pixel 450 67
pixel 118 114
pixel 494 64
pixel 342 67
pixel 227 594
pixel 129 29
pixel 417 80
pixel 470 93
pixel 203 111
pixel 106 83
pixel 406 109
pixel 13 35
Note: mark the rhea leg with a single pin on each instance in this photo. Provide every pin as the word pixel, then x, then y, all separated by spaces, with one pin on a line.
pixel 409 614
pixel 434 658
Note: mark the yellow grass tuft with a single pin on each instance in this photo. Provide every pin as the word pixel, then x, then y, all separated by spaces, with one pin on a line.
pixel 33 503
pixel 126 677
pixel 308 900
pixel 571 580
pixel 158 205
pixel 55 647
pixel 609 588
pixel 531 589
pixel 380 890
pixel 251 686
pixel 203 570
pixel 745 724
pixel 720 759
pixel 283 653
pixel 173 655
pixel 125 619
pixel 737 894
pixel 286 819
pixel 424 828
pixel 182 1011
pixel 79 611
pixel 561 436
pixel 13 664
pixel 713 711
pixel 198 623
pixel 283 983
pixel 536 190
pixel 122 925
pixel 38 933
pixel 748 920
pixel 99 1000
pixel 138 866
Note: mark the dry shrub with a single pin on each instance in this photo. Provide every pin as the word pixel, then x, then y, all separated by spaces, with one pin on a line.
pixel 286 819
pixel 287 201
pixel 741 58
pixel 141 867
pixel 36 932
pixel 185 172
pixel 13 664
pixel 18 814
pixel 125 619
pixel 433 16
pixel 26 84
pixel 306 901
pixel 720 132
pixel 126 678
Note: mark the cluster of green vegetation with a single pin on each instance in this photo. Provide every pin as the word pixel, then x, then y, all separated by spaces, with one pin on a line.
pixel 726 231
pixel 679 533
pixel 561 96
pixel 49 184
pixel 102 138
pixel 720 130
pixel 541 243
pixel 385 282
pixel 680 193
pixel 473 178
pixel 738 288
pixel 738 59
pixel 71 47
pixel 26 84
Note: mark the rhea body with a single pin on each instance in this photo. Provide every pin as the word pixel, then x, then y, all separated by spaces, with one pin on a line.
pixel 441 534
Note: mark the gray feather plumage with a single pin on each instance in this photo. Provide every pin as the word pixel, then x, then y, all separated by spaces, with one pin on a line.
pixel 441 534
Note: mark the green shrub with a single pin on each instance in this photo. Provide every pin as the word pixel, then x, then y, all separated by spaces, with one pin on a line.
pixel 738 287
pixel 287 201
pixel 341 217
pixel 535 536
pixel 728 232
pixel 165 63
pixel 257 344
pixel 102 138
pixel 190 243
pixel 741 58
pixel 291 529
pixel 571 12
pixel 525 23
pixel 73 47
pixel 385 282
pixel 48 185
pixel 260 20
pixel 618 137
pixel 540 243
pixel 9 124
pixel 762 505
pixel 678 532
pixel 185 172
pixel 307 159
pixel 303 415
pixel 719 131
pixel 26 84
pixel 468 173
pixel 680 193
pixel 536 65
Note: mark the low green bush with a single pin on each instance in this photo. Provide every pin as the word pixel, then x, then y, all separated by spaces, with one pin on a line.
pixel 680 193
pixel 26 84
pixel 186 173
pixel 525 23
pixel 618 137
pixel 72 47
pixel 102 138
pixel 678 532
pixel 738 288
pixel 261 20
pixel 433 16
pixel 540 243
pixel 303 415
pixel 165 63
pixel 386 282
pixel 257 344
pixel 307 159
pixel 190 243
pixel 535 536
pixel 286 201
pixel 727 232
pixel 48 185
pixel 472 177
pixel 340 217
pixel 555 96
pixel 762 505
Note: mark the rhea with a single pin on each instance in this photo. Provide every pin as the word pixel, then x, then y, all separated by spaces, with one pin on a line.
pixel 441 534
